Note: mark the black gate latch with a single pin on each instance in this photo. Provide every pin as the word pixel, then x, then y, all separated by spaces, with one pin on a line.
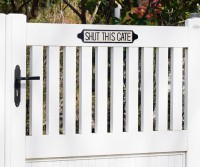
pixel 17 86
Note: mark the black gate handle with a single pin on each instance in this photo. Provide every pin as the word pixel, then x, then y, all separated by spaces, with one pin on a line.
pixel 17 84
pixel 28 78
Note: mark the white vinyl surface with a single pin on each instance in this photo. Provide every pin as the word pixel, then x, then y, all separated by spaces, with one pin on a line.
pixel 122 88
pixel 165 160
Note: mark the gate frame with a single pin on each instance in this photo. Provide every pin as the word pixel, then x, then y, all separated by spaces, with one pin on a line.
pixel 15 116
pixel 12 127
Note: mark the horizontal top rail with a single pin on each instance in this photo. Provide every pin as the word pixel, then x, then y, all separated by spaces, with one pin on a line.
pixel 66 35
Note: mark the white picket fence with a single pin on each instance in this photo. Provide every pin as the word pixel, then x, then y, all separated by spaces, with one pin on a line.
pixel 163 65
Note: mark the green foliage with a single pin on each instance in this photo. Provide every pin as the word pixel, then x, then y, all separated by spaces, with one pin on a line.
pixel 160 12
pixel 134 12
pixel 104 11
pixel 175 12
pixel 90 5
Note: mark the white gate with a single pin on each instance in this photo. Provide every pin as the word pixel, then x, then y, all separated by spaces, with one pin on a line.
pixel 100 104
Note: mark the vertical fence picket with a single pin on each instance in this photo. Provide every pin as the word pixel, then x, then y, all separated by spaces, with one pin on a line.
pixel 147 89
pixel 53 54
pixel 116 90
pixel 36 91
pixel 132 89
pixel 85 90
pixel 69 86
pixel 162 89
pixel 176 89
pixel 101 82
pixel 2 87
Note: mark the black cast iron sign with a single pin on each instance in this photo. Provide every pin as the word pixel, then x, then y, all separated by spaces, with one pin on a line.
pixel 107 36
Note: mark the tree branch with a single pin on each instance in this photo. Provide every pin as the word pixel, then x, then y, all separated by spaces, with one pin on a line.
pixel 95 12
pixel 72 8
pixel 14 6
pixel 24 4
pixel 34 9
pixel 83 11
pixel 110 9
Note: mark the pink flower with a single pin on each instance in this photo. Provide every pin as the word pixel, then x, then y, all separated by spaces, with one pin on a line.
pixel 148 16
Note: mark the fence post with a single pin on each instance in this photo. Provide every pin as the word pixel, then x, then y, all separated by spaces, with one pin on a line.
pixel 15 116
pixel 193 92
pixel 2 88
